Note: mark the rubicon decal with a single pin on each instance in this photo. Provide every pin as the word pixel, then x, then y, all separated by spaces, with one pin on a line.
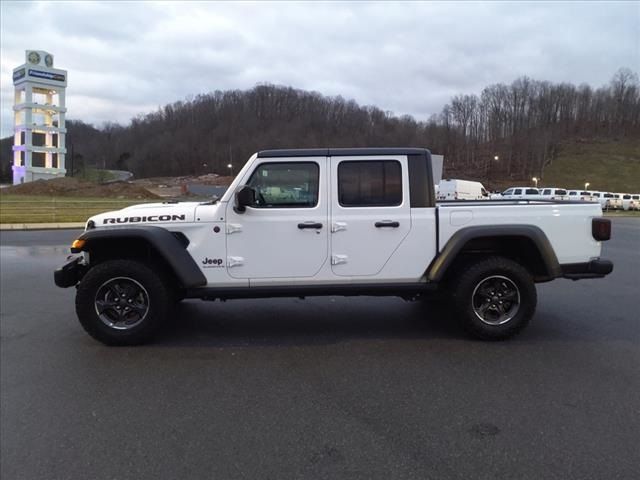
pixel 150 218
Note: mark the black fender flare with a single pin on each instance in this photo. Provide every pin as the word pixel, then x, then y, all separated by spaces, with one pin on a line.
pixel 441 263
pixel 171 250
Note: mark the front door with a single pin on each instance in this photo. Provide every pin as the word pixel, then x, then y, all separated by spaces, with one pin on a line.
pixel 370 212
pixel 285 233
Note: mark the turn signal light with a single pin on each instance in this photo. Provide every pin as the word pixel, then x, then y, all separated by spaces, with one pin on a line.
pixel 76 246
pixel 601 229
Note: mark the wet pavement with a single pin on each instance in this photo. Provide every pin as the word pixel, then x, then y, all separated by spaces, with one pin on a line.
pixel 320 388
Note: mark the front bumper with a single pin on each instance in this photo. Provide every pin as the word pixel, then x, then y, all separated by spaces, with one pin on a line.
pixel 596 268
pixel 70 273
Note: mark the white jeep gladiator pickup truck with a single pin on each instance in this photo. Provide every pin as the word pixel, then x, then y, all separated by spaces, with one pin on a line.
pixel 345 221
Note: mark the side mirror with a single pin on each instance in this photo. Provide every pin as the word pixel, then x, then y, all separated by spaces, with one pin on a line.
pixel 245 197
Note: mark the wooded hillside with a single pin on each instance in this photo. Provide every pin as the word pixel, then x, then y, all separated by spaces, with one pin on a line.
pixel 522 124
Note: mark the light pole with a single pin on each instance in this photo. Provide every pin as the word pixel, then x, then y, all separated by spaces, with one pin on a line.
pixel 535 180
pixel 495 158
pixel 586 185
pixel 230 167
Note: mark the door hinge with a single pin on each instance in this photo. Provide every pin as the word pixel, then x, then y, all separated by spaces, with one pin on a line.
pixel 235 261
pixel 338 259
pixel 337 226
pixel 233 227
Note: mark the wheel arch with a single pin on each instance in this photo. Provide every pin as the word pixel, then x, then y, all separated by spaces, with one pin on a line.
pixel 526 244
pixel 151 244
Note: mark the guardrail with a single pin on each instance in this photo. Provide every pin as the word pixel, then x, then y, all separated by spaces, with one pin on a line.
pixel 55 210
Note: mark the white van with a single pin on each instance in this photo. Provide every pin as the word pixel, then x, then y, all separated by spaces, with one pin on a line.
pixel 521 193
pixel 634 204
pixel 553 194
pixel 453 189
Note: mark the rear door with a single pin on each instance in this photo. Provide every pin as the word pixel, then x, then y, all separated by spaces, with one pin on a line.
pixel 370 212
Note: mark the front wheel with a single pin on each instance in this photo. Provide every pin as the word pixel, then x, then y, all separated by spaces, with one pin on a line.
pixel 494 297
pixel 122 302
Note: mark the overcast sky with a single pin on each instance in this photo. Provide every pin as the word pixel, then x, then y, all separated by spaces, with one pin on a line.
pixel 129 58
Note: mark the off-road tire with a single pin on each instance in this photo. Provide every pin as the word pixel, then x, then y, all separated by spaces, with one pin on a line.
pixel 472 277
pixel 159 301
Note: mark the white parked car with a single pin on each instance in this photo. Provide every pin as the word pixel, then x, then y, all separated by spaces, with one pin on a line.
pixel 602 197
pixel 553 194
pixel 634 204
pixel 581 195
pixel 627 202
pixel 607 200
pixel 521 193
pixel 453 189
pixel 615 202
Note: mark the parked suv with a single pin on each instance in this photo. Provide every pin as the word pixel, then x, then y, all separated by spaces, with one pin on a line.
pixel 553 194
pixel 521 193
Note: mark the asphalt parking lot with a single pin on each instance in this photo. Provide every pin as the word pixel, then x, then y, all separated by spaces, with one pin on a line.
pixel 355 388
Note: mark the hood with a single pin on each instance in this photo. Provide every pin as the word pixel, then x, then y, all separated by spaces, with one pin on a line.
pixel 148 213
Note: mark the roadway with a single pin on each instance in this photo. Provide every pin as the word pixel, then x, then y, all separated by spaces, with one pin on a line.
pixel 356 388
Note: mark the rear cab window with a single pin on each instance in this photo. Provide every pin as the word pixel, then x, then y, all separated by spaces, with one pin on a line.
pixel 370 183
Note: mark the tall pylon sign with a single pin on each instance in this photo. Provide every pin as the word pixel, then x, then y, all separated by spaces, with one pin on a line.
pixel 39 115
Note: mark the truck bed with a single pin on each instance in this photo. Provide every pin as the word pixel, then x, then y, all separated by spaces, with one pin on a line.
pixel 567 224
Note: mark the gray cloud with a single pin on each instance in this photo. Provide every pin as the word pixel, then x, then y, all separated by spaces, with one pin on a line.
pixel 129 58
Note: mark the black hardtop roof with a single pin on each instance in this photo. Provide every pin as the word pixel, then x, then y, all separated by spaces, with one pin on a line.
pixel 346 152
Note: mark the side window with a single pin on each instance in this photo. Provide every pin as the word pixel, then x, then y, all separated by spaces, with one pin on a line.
pixel 374 183
pixel 508 192
pixel 531 191
pixel 546 191
pixel 286 185
pixel 517 191
pixel 573 193
pixel 561 192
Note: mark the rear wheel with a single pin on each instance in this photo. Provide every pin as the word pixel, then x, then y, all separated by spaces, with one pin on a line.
pixel 494 297
pixel 122 302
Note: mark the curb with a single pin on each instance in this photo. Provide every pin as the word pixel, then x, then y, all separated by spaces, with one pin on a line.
pixel 41 226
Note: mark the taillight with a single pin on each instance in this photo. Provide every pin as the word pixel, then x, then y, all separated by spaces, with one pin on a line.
pixel 601 229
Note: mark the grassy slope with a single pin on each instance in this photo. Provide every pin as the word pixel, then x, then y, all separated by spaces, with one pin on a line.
pixel 42 209
pixel 608 166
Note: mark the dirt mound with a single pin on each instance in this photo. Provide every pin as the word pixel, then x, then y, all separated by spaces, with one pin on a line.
pixel 164 182
pixel 73 187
